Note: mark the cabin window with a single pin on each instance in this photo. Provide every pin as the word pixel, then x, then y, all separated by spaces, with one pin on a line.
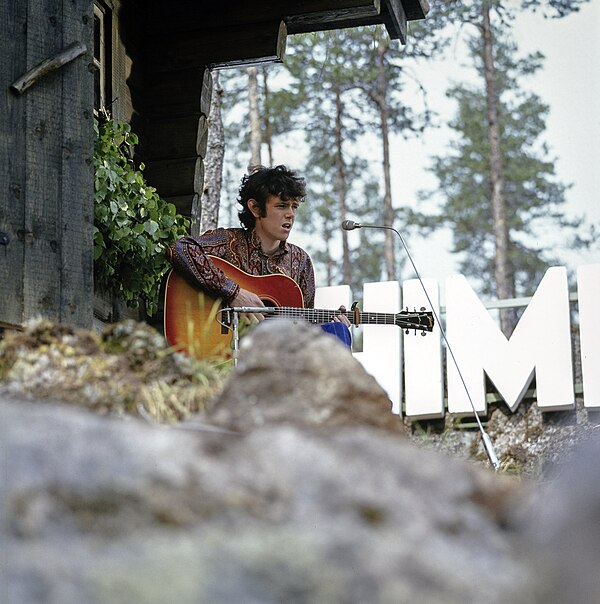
pixel 102 55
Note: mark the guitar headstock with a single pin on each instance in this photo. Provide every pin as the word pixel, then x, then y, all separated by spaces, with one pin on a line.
pixel 419 321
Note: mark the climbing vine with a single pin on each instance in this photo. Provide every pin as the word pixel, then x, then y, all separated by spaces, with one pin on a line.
pixel 132 225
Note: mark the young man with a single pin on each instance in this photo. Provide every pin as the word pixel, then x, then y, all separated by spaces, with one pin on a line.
pixel 269 199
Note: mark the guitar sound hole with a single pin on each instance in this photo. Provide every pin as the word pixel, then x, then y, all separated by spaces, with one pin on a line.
pixel 270 304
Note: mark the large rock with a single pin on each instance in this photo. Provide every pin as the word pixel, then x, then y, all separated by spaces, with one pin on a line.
pixel 561 530
pixel 102 510
pixel 295 373
pixel 296 485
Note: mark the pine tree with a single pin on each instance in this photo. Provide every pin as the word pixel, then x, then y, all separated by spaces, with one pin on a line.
pixel 489 18
pixel 347 85
pixel 213 176
pixel 531 192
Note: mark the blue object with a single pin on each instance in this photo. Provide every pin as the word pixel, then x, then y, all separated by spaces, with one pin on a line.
pixel 339 330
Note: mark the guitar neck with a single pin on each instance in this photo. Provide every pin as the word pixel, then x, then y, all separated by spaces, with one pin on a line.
pixel 320 315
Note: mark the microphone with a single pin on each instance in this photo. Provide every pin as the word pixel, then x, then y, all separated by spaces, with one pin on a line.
pixel 350 225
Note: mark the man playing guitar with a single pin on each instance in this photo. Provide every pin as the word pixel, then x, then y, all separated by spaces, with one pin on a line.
pixel 269 199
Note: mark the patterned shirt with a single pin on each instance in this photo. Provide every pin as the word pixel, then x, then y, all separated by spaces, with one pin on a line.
pixel 240 247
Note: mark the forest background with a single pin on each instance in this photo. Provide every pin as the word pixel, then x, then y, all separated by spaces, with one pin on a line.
pixel 548 77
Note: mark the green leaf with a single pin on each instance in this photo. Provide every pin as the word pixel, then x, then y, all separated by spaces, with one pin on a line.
pixel 151 227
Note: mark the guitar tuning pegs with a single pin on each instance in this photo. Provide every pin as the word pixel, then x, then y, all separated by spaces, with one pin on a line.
pixel 407 331
pixel 422 309
pixel 423 333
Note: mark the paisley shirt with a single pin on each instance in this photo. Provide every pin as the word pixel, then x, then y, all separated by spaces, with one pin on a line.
pixel 240 247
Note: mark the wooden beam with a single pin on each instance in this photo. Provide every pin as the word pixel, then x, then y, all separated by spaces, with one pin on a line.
pixel 172 178
pixel 220 47
pixel 188 15
pixel 394 18
pixel 415 9
pixel 175 138
pixel 335 18
pixel 300 16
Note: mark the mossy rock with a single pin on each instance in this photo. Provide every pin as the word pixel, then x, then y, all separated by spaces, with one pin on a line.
pixel 126 369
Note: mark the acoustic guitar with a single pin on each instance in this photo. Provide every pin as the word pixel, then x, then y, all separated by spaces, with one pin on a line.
pixel 191 316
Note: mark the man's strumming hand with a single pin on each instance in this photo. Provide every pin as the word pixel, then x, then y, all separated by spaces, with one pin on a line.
pixel 247 298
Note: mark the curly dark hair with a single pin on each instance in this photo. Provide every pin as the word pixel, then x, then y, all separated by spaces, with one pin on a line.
pixel 261 183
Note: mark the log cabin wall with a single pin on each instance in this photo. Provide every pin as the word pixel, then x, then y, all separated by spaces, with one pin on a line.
pixel 46 146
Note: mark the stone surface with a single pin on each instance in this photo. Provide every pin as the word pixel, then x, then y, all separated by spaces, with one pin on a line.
pixel 296 485
pixel 101 510
pixel 295 373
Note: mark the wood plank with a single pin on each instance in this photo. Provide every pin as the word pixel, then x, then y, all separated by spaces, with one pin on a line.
pixel 416 9
pixel 178 93
pixel 43 144
pixel 219 47
pixel 368 14
pixel 172 177
pixel 121 105
pixel 189 15
pixel 392 13
pixel 13 40
pixel 77 185
pixel 394 18
pixel 172 138
pixel 299 15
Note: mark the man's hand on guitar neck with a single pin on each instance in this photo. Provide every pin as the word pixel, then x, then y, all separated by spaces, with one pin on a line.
pixel 341 318
pixel 247 298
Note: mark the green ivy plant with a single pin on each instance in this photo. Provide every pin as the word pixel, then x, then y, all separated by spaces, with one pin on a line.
pixel 133 226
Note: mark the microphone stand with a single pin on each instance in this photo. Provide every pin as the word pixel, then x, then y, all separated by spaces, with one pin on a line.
pixel 350 225
pixel 233 324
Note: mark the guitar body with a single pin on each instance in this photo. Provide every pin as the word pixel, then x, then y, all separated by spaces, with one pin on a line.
pixel 190 316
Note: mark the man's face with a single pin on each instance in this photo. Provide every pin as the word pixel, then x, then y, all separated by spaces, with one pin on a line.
pixel 279 218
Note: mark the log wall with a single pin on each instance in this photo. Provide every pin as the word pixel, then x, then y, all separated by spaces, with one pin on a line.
pixel 46 150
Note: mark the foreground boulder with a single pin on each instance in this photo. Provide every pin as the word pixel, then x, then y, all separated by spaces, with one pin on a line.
pixel 101 510
pixel 296 484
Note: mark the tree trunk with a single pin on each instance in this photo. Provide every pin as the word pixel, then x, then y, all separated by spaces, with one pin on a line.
pixel 388 210
pixel 254 111
pixel 267 118
pixel 213 162
pixel 503 272
pixel 341 187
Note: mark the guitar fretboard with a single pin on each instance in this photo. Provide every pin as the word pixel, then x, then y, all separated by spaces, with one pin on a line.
pixel 320 315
